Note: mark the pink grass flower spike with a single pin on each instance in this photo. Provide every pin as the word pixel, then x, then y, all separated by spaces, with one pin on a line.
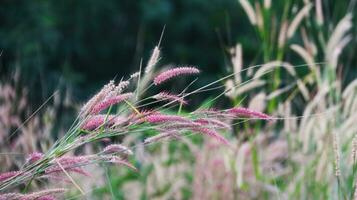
pixel 249 113
pixel 169 97
pixel 212 134
pixel 6 175
pixel 117 148
pixel 161 118
pixel 97 120
pixel 109 102
pixel 33 157
pixel 166 75
pixel 119 161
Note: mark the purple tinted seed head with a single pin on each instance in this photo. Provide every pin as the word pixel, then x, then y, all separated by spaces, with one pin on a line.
pixel 117 89
pixel 158 137
pixel 181 125
pixel 69 168
pixel 96 121
pixel 120 161
pixel 33 157
pixel 87 108
pixel 75 159
pixel 212 134
pixel 169 97
pixel 109 102
pixel 43 193
pixel 11 196
pixel 161 118
pixel 70 163
pixel 117 148
pixel 249 113
pixel 166 75
pixel 120 121
pixel 6 175
pixel 212 122
pixel 47 197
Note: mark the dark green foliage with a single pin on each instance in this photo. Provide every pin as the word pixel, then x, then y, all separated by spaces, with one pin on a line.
pixel 86 43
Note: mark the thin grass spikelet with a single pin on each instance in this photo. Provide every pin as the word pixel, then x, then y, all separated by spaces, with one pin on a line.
pixel 354 150
pixel 297 20
pixel 338 40
pixel 47 197
pixel 248 8
pixel 169 97
pixel 96 121
pixel 121 86
pixel 109 102
pixel 120 161
pixel 267 4
pixel 72 160
pixel 166 75
pixel 70 164
pixel 154 59
pixel 259 16
pixel 41 195
pixel 237 61
pixel 282 34
pixel 249 86
pixel 272 65
pixel 212 122
pixel 7 175
pixel 33 157
pixel 211 133
pixel 87 108
pixel 11 196
pixel 117 148
pixel 249 113
pixel 161 118
pixel 181 125
pixel 159 136
pixel 134 75
pixel 336 149
pixel 44 195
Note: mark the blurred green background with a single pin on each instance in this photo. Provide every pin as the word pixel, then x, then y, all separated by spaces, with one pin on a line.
pixel 83 44
pixel 86 43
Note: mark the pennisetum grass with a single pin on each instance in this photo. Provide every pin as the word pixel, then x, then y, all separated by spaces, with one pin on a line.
pixel 308 155
pixel 97 120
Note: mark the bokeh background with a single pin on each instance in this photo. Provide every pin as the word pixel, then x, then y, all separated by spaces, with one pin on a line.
pixel 86 43
pixel 83 44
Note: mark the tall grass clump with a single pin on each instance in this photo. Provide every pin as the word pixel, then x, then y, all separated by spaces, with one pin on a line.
pixel 314 101
pixel 113 113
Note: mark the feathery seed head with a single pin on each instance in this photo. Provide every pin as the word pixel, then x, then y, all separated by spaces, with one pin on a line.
pixel 169 97
pixel 211 133
pixel 134 75
pixel 33 157
pixel 117 148
pixel 166 75
pixel 212 123
pixel 44 194
pixel 159 136
pixel 97 120
pixel 87 108
pixel 154 59
pixel 109 102
pixel 6 175
pixel 161 118
pixel 248 113
pixel 120 161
